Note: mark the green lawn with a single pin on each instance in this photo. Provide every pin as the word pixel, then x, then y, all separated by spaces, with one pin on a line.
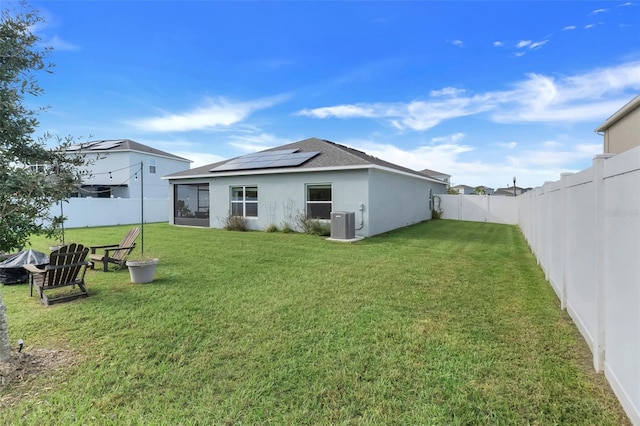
pixel 439 323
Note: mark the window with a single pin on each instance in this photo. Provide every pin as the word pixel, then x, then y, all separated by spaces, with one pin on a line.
pixel 319 204
pixel 244 201
pixel 152 166
pixel 38 168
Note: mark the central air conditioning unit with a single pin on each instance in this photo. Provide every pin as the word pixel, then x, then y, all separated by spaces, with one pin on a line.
pixel 343 225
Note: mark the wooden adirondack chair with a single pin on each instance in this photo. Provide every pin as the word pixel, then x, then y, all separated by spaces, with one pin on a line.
pixel 66 267
pixel 115 253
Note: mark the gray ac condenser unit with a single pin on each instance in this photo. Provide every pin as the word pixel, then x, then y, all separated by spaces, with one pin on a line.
pixel 343 225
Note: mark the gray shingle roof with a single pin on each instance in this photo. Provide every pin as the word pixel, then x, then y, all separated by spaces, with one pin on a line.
pixel 433 173
pixel 332 155
pixel 129 145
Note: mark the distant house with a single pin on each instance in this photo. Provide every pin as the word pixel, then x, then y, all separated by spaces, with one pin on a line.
pixel 464 189
pixel 116 169
pixel 437 175
pixel 621 131
pixel 509 191
pixel 310 177
pixel 487 190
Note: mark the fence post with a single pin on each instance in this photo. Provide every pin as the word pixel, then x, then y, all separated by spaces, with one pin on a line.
pixel 564 247
pixel 600 337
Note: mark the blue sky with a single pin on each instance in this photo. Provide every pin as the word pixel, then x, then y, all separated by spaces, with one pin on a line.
pixel 483 91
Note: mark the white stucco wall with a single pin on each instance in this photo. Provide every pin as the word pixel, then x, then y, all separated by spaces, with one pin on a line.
pixel 397 200
pixel 282 196
pixel 123 166
pixel 389 200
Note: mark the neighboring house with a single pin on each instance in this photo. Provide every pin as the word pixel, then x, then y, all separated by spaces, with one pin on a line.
pixel 437 175
pixel 508 191
pixel 116 169
pixel 464 189
pixel 621 131
pixel 312 176
pixel 487 190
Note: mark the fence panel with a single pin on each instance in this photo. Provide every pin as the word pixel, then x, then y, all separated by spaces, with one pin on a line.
pixel 622 278
pixel 585 233
pixel 479 208
pixel 88 212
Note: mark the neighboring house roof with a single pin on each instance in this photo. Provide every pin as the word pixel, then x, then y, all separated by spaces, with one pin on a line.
pixel 620 114
pixel 119 145
pixel 433 173
pixel 331 156
pixel 462 186
pixel 503 191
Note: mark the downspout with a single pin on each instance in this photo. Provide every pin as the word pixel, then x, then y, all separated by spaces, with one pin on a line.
pixel 361 208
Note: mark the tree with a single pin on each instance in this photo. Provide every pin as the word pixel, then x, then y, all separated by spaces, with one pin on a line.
pixel 33 176
pixel 480 190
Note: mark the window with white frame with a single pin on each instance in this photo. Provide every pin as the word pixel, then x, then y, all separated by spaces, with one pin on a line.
pixel 244 201
pixel 38 168
pixel 152 165
pixel 319 201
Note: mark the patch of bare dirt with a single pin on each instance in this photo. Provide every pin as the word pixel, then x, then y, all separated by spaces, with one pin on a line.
pixel 18 373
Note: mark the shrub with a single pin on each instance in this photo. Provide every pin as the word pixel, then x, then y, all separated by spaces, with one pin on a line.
pixel 271 228
pixel 286 228
pixel 313 226
pixel 235 223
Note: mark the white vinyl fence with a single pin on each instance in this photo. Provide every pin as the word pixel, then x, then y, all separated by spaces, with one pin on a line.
pixel 89 212
pixel 479 208
pixel 585 232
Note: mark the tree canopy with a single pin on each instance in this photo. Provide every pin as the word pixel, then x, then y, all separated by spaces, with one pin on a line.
pixel 33 175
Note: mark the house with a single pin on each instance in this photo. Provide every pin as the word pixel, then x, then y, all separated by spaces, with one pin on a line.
pixel 437 175
pixel 509 191
pixel 116 169
pixel 464 189
pixel 310 177
pixel 621 131
pixel 487 190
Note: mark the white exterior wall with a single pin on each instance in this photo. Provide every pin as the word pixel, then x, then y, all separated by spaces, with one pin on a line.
pixel 281 197
pixel 585 233
pixel 389 200
pixel 123 166
pixel 398 200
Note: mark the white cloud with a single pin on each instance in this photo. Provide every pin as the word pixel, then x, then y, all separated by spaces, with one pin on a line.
pixel 538 98
pixel 498 43
pixel 215 113
pixel 447 91
pixel 569 28
pixel 346 111
pixel 523 43
pixel 506 145
pixel 538 44
pixel 448 154
pixel 552 156
pixel 59 44
pixel 248 143
pixel 458 43
pixel 588 26
pixel 626 4
pixel 199 158
pixel 598 11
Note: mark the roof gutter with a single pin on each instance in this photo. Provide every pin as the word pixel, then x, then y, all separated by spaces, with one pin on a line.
pixel 618 115
pixel 305 170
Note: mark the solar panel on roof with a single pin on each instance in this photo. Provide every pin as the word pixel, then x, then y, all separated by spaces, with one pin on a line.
pixel 267 160
pixel 105 145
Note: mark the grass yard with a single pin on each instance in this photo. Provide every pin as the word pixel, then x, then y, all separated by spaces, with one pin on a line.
pixel 439 323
